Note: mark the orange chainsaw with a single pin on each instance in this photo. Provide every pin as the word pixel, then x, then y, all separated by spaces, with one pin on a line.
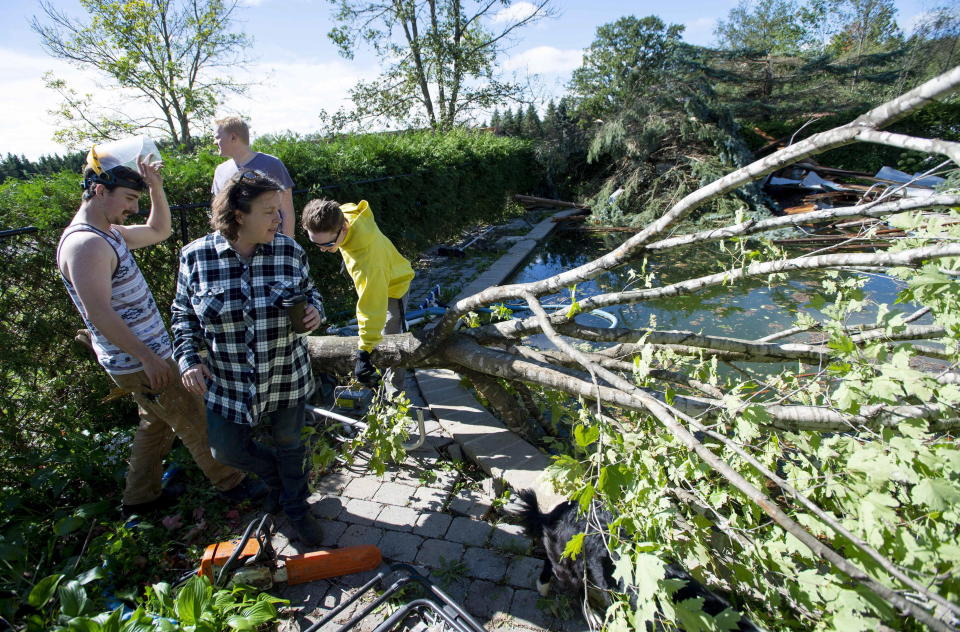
pixel 252 561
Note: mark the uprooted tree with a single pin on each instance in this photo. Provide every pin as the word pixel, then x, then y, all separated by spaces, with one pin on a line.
pixel 821 495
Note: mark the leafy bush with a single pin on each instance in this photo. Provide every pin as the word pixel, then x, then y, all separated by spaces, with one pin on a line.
pixel 197 605
pixel 60 444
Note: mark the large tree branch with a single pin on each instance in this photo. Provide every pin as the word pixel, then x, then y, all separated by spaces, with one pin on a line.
pixel 753 227
pixel 669 418
pixel 878 117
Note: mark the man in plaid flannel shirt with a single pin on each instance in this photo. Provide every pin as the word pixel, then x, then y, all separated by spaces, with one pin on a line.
pixel 230 292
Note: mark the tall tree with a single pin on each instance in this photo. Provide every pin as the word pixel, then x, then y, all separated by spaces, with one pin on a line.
pixel 172 54
pixel 532 127
pixel 775 27
pixel 864 27
pixel 625 57
pixel 438 56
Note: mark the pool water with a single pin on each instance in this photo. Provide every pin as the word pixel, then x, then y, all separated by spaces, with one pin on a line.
pixel 746 309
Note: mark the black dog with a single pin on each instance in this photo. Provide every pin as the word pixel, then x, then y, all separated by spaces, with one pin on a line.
pixel 591 573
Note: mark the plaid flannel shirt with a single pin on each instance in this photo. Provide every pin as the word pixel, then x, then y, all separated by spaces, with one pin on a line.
pixel 234 310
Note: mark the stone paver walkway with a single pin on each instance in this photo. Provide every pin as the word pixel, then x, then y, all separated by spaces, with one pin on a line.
pixel 423 511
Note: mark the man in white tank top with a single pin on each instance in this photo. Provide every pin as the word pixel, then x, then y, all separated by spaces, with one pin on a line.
pixel 128 335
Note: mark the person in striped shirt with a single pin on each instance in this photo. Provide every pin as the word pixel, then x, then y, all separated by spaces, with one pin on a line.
pixel 128 335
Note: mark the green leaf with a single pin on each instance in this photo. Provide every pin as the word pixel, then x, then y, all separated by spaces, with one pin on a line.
pixel 192 600
pixel 648 571
pixel 44 591
pixel 842 344
pixel 254 616
pixel 73 599
pixel 90 575
pixel 574 546
pixel 612 480
pixel 111 622
pixel 585 435
pixel 68 525
pixel 91 510
pixel 691 616
pixel 936 493
pixel 585 497
pixel 84 624
pixel 727 621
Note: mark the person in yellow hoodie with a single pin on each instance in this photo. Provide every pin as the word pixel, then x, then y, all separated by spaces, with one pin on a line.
pixel 380 274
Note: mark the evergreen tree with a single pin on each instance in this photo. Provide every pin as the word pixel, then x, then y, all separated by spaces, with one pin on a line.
pixel 626 57
pixel 531 126
pixel 506 122
pixel 774 27
pixel 495 121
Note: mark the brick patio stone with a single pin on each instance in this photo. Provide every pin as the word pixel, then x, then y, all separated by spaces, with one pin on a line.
pixel 428 499
pixel 485 564
pixel 364 488
pixel 394 494
pixel 468 531
pixel 359 534
pixel 432 524
pixel 524 607
pixel 397 518
pixel 332 530
pixel 332 484
pixel 329 508
pixel 400 547
pixel 360 511
pixel 485 599
pixel 436 553
pixel 510 538
pixel 523 571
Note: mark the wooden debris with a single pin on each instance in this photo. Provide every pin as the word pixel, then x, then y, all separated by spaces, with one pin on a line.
pixel 802 208
pixel 596 229
pixel 532 201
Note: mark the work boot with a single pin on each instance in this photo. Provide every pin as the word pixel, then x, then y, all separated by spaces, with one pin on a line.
pixel 161 503
pixel 271 502
pixel 309 530
pixel 247 489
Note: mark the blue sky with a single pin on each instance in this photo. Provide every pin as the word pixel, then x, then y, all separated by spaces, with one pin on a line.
pixel 299 70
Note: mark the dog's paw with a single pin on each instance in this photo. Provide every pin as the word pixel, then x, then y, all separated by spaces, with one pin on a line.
pixel 543 588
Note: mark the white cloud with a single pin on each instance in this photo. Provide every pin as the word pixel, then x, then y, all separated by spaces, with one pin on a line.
pixel 291 95
pixel 288 98
pixel 26 127
pixel 699 31
pixel 515 12
pixel 545 59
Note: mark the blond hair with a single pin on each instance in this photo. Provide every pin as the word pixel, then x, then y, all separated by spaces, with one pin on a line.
pixel 235 125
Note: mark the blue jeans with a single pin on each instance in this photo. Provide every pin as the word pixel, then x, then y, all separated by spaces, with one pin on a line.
pixel 282 467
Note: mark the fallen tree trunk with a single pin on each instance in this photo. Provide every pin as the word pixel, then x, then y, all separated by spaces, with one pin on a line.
pixel 616 368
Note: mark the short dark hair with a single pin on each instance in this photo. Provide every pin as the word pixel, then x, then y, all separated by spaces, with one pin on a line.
pixel 321 216
pixel 112 178
pixel 238 195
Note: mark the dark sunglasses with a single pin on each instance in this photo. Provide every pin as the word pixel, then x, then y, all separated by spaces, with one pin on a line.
pixel 331 243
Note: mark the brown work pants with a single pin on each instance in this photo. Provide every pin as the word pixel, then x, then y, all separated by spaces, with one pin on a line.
pixel 173 412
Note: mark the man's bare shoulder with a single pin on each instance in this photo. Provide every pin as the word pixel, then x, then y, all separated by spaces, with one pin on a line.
pixel 83 246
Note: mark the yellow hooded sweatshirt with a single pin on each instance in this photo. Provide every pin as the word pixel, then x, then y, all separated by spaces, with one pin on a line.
pixel 379 272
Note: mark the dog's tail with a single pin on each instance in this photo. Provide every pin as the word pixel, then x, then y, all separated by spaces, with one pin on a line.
pixel 529 514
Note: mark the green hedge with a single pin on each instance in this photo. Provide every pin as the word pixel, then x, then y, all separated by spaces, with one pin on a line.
pixel 49 393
